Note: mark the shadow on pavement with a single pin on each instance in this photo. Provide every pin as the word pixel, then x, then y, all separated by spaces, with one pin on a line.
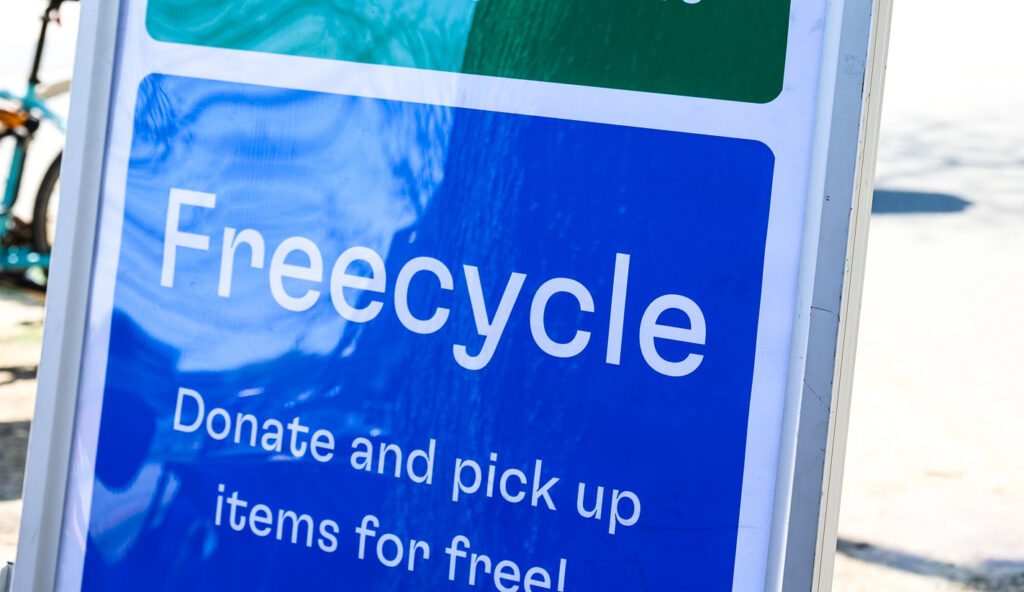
pixel 12 374
pixel 20 282
pixel 913 202
pixel 13 446
pixel 992 575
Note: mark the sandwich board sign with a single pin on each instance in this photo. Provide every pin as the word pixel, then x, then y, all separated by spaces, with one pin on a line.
pixel 461 295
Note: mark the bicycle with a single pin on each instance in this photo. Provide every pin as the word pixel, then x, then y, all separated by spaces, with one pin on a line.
pixel 27 245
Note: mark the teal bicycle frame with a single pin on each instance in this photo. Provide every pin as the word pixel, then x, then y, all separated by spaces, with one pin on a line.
pixel 18 257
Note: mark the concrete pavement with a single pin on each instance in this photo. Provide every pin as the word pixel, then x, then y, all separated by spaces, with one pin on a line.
pixel 933 495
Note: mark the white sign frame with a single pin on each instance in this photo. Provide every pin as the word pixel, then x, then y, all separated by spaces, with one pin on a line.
pixel 815 416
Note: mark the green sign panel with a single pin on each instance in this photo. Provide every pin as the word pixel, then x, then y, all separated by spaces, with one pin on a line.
pixel 721 49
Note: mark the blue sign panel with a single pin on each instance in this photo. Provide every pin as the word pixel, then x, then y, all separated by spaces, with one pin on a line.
pixel 372 345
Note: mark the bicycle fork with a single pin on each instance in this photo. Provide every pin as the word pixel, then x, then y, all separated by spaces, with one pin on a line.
pixel 16 257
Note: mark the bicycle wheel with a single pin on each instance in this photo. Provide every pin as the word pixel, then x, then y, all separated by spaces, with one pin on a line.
pixel 44 212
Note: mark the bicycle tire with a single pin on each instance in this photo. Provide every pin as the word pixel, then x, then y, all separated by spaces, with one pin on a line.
pixel 41 242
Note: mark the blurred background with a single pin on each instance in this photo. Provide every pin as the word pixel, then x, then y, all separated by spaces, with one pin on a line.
pixel 933 495
pixel 21 305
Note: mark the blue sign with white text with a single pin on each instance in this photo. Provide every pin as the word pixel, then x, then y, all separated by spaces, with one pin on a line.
pixel 363 344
